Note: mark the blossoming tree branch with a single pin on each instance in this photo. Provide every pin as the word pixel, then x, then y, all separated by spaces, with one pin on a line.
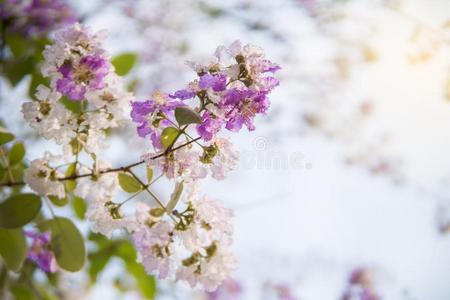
pixel 184 237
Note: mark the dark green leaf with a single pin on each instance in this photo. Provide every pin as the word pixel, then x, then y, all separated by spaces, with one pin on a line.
pixel 18 210
pixel 13 248
pixel 67 243
pixel 185 115
pixel 168 136
pixel 129 183
pixel 16 153
pixel 124 63
pixel 5 136
pixel 17 44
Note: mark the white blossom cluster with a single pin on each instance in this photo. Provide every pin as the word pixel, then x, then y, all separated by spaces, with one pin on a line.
pixel 80 76
pixel 194 249
pixel 188 240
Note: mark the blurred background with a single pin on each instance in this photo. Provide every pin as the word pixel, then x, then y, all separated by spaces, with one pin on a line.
pixel 344 185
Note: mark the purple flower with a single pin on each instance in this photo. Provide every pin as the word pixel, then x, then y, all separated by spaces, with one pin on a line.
pixel 183 94
pixel 210 126
pixel 241 107
pixel 39 252
pixel 36 17
pixel 216 82
pixel 153 116
pixel 229 290
pixel 270 66
pixel 89 74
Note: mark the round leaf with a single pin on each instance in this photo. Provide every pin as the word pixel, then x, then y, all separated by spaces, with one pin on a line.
pixel 168 136
pixel 5 136
pixel 124 63
pixel 16 154
pixel 129 183
pixel 185 115
pixel 67 243
pixel 13 248
pixel 18 210
pixel 58 201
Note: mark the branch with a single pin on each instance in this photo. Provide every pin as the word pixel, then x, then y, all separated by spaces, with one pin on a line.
pixel 119 169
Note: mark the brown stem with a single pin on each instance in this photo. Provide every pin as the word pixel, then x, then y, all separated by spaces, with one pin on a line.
pixel 119 169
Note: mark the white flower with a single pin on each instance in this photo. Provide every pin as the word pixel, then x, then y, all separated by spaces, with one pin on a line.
pixel 183 164
pixel 208 268
pixel 225 159
pixel 105 218
pixel 41 178
pixel 50 118
pixel 113 99
pixel 99 187
pixel 211 223
pixel 153 241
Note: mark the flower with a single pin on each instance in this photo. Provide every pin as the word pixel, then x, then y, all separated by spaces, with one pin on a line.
pixel 210 126
pixel 49 117
pixel 153 241
pixel 230 289
pixel 43 179
pixel 105 218
pixel 208 267
pixel 209 222
pixel 77 79
pixel 225 160
pixel 39 252
pixel 98 187
pixel 154 115
pixel 36 17
pixel 182 164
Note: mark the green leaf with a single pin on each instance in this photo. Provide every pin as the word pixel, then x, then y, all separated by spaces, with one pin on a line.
pixel 185 115
pixel 13 248
pixel 149 174
pixel 74 106
pixel 129 183
pixel 168 136
pixel 17 44
pixel 67 243
pixel 79 206
pixel 145 283
pixel 16 153
pixel 18 210
pixel 5 136
pixel 175 196
pixel 98 262
pixel 123 63
pixel 58 201
pixel 36 80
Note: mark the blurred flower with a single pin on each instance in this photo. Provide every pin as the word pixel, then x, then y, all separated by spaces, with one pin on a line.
pixel 39 252
pixel 36 17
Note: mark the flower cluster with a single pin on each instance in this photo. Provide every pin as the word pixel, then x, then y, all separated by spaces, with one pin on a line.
pixel 85 96
pixel 231 91
pixel 195 248
pixel 186 240
pixel 36 17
